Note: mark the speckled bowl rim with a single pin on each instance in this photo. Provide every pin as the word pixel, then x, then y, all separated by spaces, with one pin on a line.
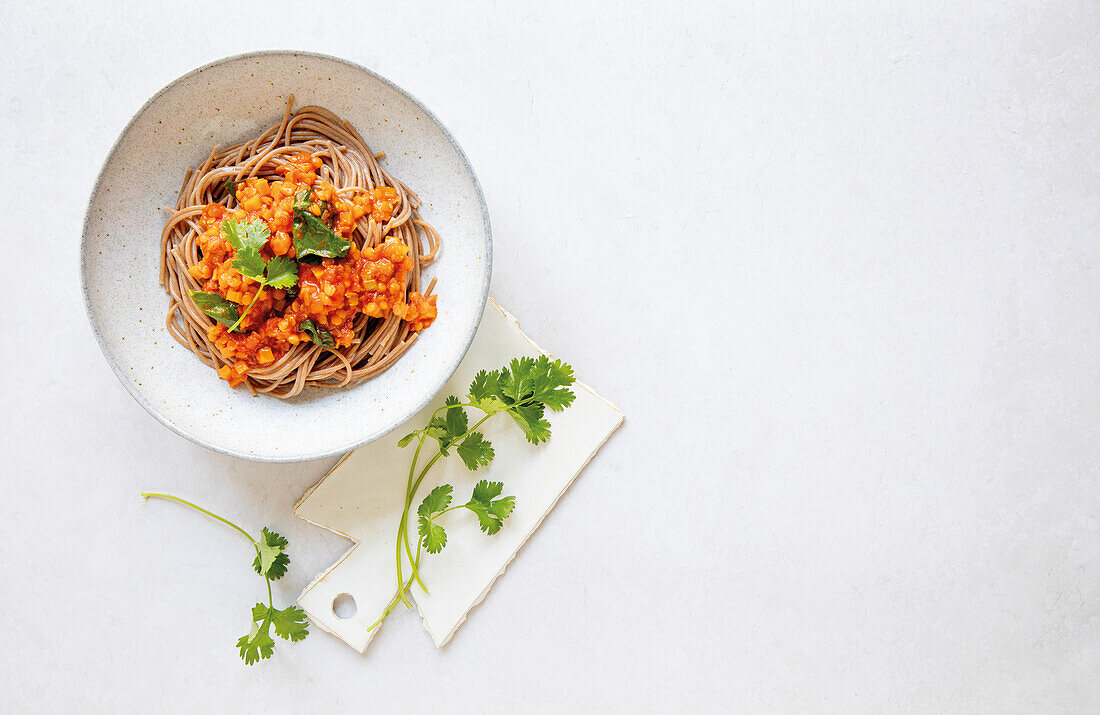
pixel 398 420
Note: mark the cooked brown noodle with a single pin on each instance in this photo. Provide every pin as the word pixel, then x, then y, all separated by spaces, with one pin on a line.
pixel 350 166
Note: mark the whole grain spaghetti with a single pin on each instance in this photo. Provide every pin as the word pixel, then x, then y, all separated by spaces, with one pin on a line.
pixel 294 259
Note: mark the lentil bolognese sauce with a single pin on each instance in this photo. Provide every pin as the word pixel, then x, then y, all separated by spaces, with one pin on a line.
pixel 294 259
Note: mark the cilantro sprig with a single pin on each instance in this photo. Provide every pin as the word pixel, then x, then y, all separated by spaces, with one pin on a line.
pixel 524 389
pixel 271 562
pixel 248 238
pixel 490 511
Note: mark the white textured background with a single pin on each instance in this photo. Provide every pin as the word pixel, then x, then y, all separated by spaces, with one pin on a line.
pixel 836 265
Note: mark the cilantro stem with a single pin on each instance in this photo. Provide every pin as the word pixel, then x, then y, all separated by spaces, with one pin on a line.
pixel 393 602
pixel 412 490
pixel 395 599
pixel 403 535
pixel 402 527
pixel 211 514
pixel 246 310
pixel 410 493
pixel 464 435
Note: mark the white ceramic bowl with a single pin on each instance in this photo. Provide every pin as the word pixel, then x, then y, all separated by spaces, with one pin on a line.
pixel 222 103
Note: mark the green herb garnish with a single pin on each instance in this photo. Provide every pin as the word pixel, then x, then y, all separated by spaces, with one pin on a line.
pixel 317 334
pixel 248 238
pixel 229 186
pixel 303 199
pixel 313 238
pixel 271 562
pixel 523 389
pixel 222 310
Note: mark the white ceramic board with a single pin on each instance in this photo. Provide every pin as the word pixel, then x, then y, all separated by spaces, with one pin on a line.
pixel 362 498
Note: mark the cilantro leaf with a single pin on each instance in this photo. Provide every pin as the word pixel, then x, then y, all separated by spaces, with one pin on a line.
pixel 222 310
pixel 290 623
pixel 317 334
pixel 247 238
pixel 457 422
pixel 303 199
pixel 475 451
pixel 244 235
pixel 229 186
pixel 313 238
pixel 257 645
pixel 437 429
pixel 271 561
pixel 282 272
pixel 484 491
pixel 404 441
pixel 437 500
pixel 485 386
pixel 529 418
pixel 250 264
pixel 502 508
pixel 490 512
pixel 434 535
pixel 488 522
pixel 448 427
pixel 549 383
pixel 485 392
pixel 524 387
pixel 515 383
